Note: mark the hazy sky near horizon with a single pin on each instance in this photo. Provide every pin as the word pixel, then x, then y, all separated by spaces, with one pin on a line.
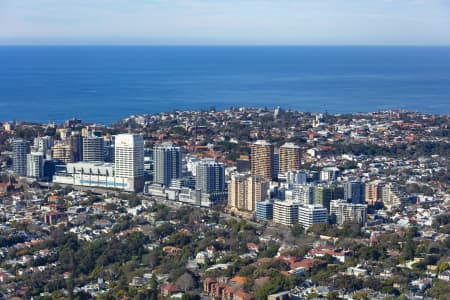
pixel 226 22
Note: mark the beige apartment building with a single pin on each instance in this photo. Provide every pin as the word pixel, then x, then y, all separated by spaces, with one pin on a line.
pixel 373 191
pixel 63 152
pixel 262 153
pixel 290 158
pixel 245 190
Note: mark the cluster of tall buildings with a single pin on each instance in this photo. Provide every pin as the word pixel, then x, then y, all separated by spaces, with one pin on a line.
pixel 125 172
pixel 187 179
pixel 265 163
pixel 245 189
pixel 31 159
pixel 87 145
pixel 83 158
pixel 271 183
pixel 289 213
pixel 277 189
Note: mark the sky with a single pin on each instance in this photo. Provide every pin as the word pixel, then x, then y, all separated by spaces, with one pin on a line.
pixel 225 22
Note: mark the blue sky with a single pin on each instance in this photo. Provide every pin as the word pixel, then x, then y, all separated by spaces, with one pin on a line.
pixel 226 22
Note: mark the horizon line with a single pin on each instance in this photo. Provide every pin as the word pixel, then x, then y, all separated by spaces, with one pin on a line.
pixel 228 45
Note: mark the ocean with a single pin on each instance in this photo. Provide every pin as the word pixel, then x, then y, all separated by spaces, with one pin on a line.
pixel 106 83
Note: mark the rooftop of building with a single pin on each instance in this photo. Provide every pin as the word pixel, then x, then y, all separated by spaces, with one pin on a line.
pixel 290 145
pixel 263 143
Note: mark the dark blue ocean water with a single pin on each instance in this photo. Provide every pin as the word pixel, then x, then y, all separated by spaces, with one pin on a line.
pixel 104 84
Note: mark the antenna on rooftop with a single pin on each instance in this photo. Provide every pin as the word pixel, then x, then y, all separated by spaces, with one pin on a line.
pixel 195 134
pixel 129 128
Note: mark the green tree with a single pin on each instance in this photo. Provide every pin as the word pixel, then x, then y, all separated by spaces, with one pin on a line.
pixel 360 296
pixel 408 250
pixel 440 290
pixel 297 230
pixel 190 296
pixel 443 267
pixel 333 295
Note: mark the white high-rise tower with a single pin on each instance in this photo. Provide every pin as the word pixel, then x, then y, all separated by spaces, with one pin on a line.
pixel 129 160
pixel 35 165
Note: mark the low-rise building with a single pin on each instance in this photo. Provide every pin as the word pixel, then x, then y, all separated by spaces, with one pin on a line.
pixel 285 213
pixel 344 212
pixel 94 174
pixel 309 215
pixel 264 210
